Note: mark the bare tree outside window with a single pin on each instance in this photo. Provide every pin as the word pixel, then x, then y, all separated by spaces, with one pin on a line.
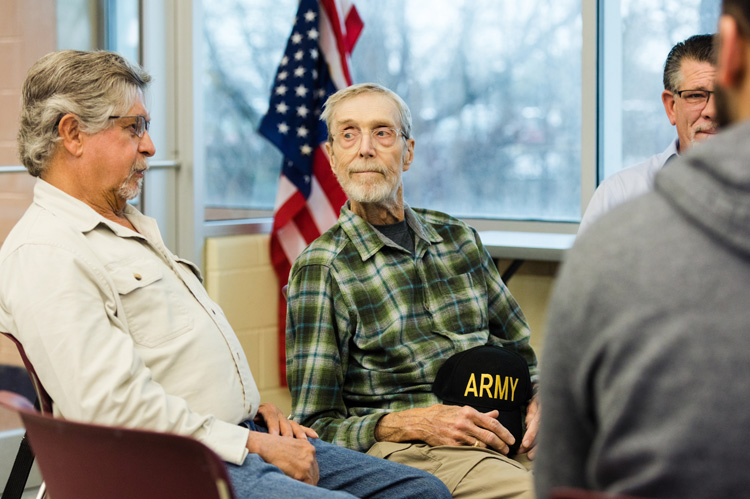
pixel 650 28
pixel 494 87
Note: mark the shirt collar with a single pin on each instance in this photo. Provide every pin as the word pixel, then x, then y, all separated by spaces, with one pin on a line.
pixel 368 240
pixel 81 216
pixel 670 152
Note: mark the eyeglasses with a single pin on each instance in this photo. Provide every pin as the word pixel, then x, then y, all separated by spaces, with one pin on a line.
pixel 382 136
pixel 695 97
pixel 139 127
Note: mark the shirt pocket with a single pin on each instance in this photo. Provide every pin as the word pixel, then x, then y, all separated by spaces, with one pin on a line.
pixel 459 304
pixel 153 311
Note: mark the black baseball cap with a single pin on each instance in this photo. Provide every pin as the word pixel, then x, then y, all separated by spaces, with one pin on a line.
pixel 487 378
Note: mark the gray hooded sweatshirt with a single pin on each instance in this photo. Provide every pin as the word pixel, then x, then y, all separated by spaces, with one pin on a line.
pixel 645 372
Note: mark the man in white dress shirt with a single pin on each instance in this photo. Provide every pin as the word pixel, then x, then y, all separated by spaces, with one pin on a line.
pixel 688 85
pixel 119 329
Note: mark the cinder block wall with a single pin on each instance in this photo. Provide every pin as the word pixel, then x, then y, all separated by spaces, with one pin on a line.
pixel 240 278
pixel 531 286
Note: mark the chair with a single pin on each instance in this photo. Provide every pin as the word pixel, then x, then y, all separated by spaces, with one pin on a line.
pixel 87 461
pixel 578 493
pixel 19 474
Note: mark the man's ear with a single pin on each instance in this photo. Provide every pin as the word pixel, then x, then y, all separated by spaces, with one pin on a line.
pixel 329 153
pixel 71 135
pixel 667 98
pixel 730 70
pixel 408 154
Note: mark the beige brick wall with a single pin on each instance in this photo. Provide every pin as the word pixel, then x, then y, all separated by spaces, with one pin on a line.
pixel 531 286
pixel 240 278
pixel 27 31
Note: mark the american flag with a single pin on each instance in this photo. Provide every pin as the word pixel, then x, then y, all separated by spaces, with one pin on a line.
pixel 315 64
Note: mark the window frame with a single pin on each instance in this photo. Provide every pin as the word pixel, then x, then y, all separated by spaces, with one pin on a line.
pixel 589 149
pixel 170 49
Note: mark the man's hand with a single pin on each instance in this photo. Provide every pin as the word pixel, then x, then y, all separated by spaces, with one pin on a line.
pixel 294 456
pixel 528 444
pixel 445 425
pixel 272 417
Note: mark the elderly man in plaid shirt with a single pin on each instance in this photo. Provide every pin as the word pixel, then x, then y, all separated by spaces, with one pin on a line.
pixel 381 300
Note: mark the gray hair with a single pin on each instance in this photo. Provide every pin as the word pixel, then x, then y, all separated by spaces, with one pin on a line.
pixel 91 85
pixel 698 48
pixel 362 88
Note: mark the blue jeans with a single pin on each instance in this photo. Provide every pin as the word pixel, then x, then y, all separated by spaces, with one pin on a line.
pixel 350 473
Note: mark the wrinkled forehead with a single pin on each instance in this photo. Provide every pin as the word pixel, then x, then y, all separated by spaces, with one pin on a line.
pixel 367 110
pixel 697 75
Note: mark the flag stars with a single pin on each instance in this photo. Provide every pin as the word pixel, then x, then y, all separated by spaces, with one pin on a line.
pixel 310 16
pixel 314 54
pixel 303 111
pixel 296 38
pixel 282 75
pixel 281 90
pixel 283 128
pixel 299 72
pixel 302 132
pixel 313 34
pixel 306 150
pixel 282 108
pixel 299 55
pixel 300 91
pixel 284 61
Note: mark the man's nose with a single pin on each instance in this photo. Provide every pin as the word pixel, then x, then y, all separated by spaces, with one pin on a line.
pixel 366 147
pixel 146 146
pixel 709 110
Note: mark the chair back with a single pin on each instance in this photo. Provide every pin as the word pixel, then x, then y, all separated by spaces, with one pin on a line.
pixel 579 493
pixel 19 473
pixel 43 399
pixel 82 461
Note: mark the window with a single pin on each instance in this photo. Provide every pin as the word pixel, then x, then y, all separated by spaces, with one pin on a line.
pixel 243 44
pixel 494 87
pixel 92 24
pixel 637 35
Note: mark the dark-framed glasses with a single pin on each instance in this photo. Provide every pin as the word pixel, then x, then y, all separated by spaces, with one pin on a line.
pixel 139 126
pixel 383 136
pixel 695 97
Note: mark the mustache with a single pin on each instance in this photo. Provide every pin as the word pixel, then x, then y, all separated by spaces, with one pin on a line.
pixel 706 128
pixel 140 165
pixel 367 167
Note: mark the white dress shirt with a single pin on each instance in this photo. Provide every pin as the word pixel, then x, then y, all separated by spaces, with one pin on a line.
pixel 120 330
pixel 624 185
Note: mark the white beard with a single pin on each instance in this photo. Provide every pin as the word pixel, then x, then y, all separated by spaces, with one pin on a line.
pixel 132 186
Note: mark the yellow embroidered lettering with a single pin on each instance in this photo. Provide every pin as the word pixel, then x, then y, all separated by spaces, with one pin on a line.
pixel 513 389
pixel 486 384
pixel 500 388
pixel 471 386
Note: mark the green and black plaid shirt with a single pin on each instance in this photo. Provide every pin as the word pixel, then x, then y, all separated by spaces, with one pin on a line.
pixel 369 323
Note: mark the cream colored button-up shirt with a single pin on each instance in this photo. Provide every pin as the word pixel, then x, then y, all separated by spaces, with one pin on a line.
pixel 120 330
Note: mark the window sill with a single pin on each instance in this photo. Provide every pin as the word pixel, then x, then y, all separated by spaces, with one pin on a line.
pixel 527 245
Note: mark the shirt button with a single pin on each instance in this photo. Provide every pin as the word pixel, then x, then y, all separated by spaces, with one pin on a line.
pixel 138 277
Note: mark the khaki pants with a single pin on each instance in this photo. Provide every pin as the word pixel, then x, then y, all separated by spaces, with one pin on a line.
pixel 468 472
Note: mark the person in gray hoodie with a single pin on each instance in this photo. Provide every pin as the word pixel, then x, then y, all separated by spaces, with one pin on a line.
pixel 645 374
